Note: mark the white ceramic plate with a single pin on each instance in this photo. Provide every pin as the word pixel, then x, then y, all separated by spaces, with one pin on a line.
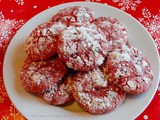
pixel 34 108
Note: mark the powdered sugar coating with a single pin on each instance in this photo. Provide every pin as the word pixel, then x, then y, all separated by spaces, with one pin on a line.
pixel 130 69
pixel 115 31
pixel 61 92
pixel 82 47
pixel 38 77
pixel 74 14
pixel 94 93
pixel 41 43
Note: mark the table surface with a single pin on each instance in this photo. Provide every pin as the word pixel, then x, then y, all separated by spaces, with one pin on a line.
pixel 15 13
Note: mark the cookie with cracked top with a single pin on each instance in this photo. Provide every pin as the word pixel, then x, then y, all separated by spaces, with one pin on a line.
pixel 130 69
pixel 95 93
pixel 42 42
pixel 82 47
pixel 74 14
pixel 38 77
pixel 60 93
pixel 114 30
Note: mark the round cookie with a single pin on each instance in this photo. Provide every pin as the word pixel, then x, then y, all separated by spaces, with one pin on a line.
pixel 74 14
pixel 129 68
pixel 95 93
pixel 38 77
pixel 41 43
pixel 61 92
pixel 82 47
pixel 115 31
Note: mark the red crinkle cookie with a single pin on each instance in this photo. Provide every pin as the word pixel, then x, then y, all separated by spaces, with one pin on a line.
pixel 74 14
pixel 61 92
pixel 38 77
pixel 115 31
pixel 82 47
pixel 95 93
pixel 41 43
pixel 129 68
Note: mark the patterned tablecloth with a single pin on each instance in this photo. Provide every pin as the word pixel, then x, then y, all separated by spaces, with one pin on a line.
pixel 15 13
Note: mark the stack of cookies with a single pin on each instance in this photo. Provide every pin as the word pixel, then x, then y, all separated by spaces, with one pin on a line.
pixel 76 56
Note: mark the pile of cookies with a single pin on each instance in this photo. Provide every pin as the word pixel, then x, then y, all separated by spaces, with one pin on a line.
pixel 76 56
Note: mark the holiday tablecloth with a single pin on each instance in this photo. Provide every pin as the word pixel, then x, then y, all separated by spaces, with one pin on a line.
pixel 15 13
